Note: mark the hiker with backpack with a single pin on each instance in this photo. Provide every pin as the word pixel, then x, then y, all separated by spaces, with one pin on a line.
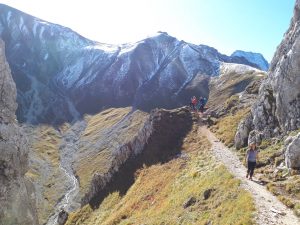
pixel 202 103
pixel 251 159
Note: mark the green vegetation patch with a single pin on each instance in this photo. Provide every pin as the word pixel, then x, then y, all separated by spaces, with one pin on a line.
pixel 226 127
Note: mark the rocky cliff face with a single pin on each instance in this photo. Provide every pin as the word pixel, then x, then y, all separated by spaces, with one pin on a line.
pixel 55 68
pixel 16 194
pixel 279 101
pixel 277 110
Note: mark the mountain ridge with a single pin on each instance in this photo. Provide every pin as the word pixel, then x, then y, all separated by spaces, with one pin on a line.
pixel 60 75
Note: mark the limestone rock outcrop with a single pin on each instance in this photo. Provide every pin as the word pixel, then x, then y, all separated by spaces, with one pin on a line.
pixel 16 193
pixel 279 98
pixel 8 93
pixel 241 136
pixel 292 152
pixel 277 109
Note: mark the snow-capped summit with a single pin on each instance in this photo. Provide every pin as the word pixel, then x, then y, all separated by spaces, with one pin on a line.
pixel 255 58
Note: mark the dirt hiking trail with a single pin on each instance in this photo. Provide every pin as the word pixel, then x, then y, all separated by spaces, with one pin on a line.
pixel 269 209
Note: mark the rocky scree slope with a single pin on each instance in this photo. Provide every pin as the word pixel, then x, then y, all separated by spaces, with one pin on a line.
pixel 56 68
pixel 16 193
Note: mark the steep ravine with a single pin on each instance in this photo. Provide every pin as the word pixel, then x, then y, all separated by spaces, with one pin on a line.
pixel 68 148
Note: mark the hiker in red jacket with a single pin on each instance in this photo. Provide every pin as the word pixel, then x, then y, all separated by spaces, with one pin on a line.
pixel 193 103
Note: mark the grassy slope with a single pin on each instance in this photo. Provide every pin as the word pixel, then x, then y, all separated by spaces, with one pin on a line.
pixel 226 127
pixel 97 158
pixel 159 192
pixel 223 87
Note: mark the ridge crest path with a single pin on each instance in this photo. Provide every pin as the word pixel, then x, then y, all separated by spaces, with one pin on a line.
pixel 270 211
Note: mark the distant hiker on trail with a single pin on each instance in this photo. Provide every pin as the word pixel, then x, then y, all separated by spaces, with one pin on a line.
pixel 251 158
pixel 204 101
pixel 201 104
pixel 193 103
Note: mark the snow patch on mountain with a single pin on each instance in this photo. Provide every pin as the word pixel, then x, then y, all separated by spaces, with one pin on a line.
pixel 21 24
pixel 252 57
pixel 128 47
pixel 104 47
pixel 8 16
pixel 229 68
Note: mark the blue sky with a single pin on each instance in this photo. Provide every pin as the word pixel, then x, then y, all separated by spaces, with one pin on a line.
pixel 227 25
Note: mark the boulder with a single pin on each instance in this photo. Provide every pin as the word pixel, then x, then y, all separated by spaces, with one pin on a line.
pixel 62 217
pixel 292 152
pixel 207 193
pixel 243 130
pixel 191 201
pixel 255 137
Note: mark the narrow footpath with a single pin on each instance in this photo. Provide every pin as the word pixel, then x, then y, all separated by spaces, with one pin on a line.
pixel 270 211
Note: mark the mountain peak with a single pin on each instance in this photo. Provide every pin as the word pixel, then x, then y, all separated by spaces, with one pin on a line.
pixel 253 57
pixel 160 35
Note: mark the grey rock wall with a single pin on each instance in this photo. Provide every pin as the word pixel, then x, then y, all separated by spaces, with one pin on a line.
pixel 16 193
pixel 279 96
pixel 277 109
